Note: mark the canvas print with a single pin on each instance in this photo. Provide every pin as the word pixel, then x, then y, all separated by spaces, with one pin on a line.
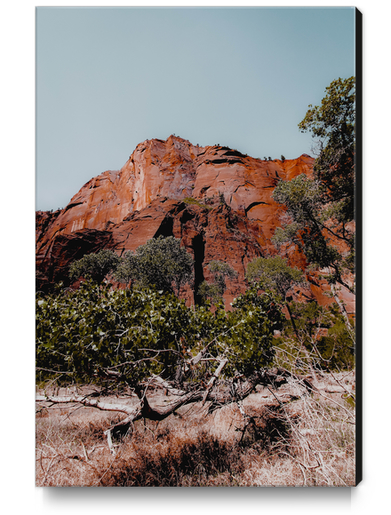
pixel 198 247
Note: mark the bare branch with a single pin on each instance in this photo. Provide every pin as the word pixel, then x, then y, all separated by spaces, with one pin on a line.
pixel 87 401
pixel 213 379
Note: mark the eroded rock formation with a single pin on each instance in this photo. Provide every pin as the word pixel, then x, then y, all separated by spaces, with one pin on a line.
pixel 215 199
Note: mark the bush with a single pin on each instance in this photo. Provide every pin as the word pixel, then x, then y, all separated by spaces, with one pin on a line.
pixel 274 273
pixel 195 202
pixel 215 291
pixel 94 327
pixel 144 331
pixel 161 262
pixel 324 334
pixel 95 266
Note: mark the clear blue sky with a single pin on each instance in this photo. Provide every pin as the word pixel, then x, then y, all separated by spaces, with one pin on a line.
pixel 109 78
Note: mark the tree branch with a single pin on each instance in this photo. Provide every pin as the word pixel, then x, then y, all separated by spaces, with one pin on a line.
pixel 233 392
pixel 88 402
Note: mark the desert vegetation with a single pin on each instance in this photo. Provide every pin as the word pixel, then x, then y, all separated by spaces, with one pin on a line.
pixel 137 388
pixel 309 441
pixel 134 388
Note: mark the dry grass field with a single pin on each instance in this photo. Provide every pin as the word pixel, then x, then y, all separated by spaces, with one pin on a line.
pixel 284 437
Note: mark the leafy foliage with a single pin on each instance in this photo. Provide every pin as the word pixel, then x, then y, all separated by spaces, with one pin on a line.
pixel 85 334
pixel 215 290
pixel 210 291
pixel 94 327
pixel 161 262
pixel 320 211
pixel 274 273
pixel 96 266
pixel 306 225
pixel 333 125
pixel 196 202
pixel 128 271
pixel 324 334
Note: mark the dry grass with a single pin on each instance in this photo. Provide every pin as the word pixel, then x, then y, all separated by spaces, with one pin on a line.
pixel 308 441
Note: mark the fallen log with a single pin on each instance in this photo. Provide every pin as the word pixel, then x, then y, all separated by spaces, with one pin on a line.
pixel 232 391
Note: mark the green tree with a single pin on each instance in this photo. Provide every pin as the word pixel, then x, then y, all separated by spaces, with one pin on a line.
pixel 332 124
pixel 320 210
pixel 161 262
pixel 142 332
pixel 210 291
pixel 220 271
pixel 323 333
pixel 127 271
pixel 96 266
pixel 306 223
pixel 275 274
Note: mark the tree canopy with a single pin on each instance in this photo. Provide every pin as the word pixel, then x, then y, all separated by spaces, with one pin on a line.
pixel 319 215
pixel 215 290
pixel 161 262
pixel 333 126
pixel 96 265
pixel 274 273
pixel 97 333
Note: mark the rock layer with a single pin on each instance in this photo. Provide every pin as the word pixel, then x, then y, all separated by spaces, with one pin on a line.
pixel 215 199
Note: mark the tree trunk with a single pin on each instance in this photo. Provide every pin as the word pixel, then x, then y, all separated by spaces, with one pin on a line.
pixel 235 392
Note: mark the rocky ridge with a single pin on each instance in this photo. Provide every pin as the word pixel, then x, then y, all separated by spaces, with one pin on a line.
pixel 215 199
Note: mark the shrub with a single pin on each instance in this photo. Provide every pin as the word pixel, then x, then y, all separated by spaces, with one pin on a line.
pixel 161 262
pixel 196 202
pixel 96 265
pixel 274 273
pixel 142 332
pixel 215 291
pixel 324 334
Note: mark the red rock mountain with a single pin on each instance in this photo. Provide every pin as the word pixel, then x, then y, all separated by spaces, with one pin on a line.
pixel 215 199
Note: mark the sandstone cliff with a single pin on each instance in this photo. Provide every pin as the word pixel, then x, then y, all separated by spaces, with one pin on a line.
pixel 217 200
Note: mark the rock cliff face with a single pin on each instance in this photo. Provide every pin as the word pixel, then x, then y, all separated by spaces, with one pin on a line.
pixel 215 199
